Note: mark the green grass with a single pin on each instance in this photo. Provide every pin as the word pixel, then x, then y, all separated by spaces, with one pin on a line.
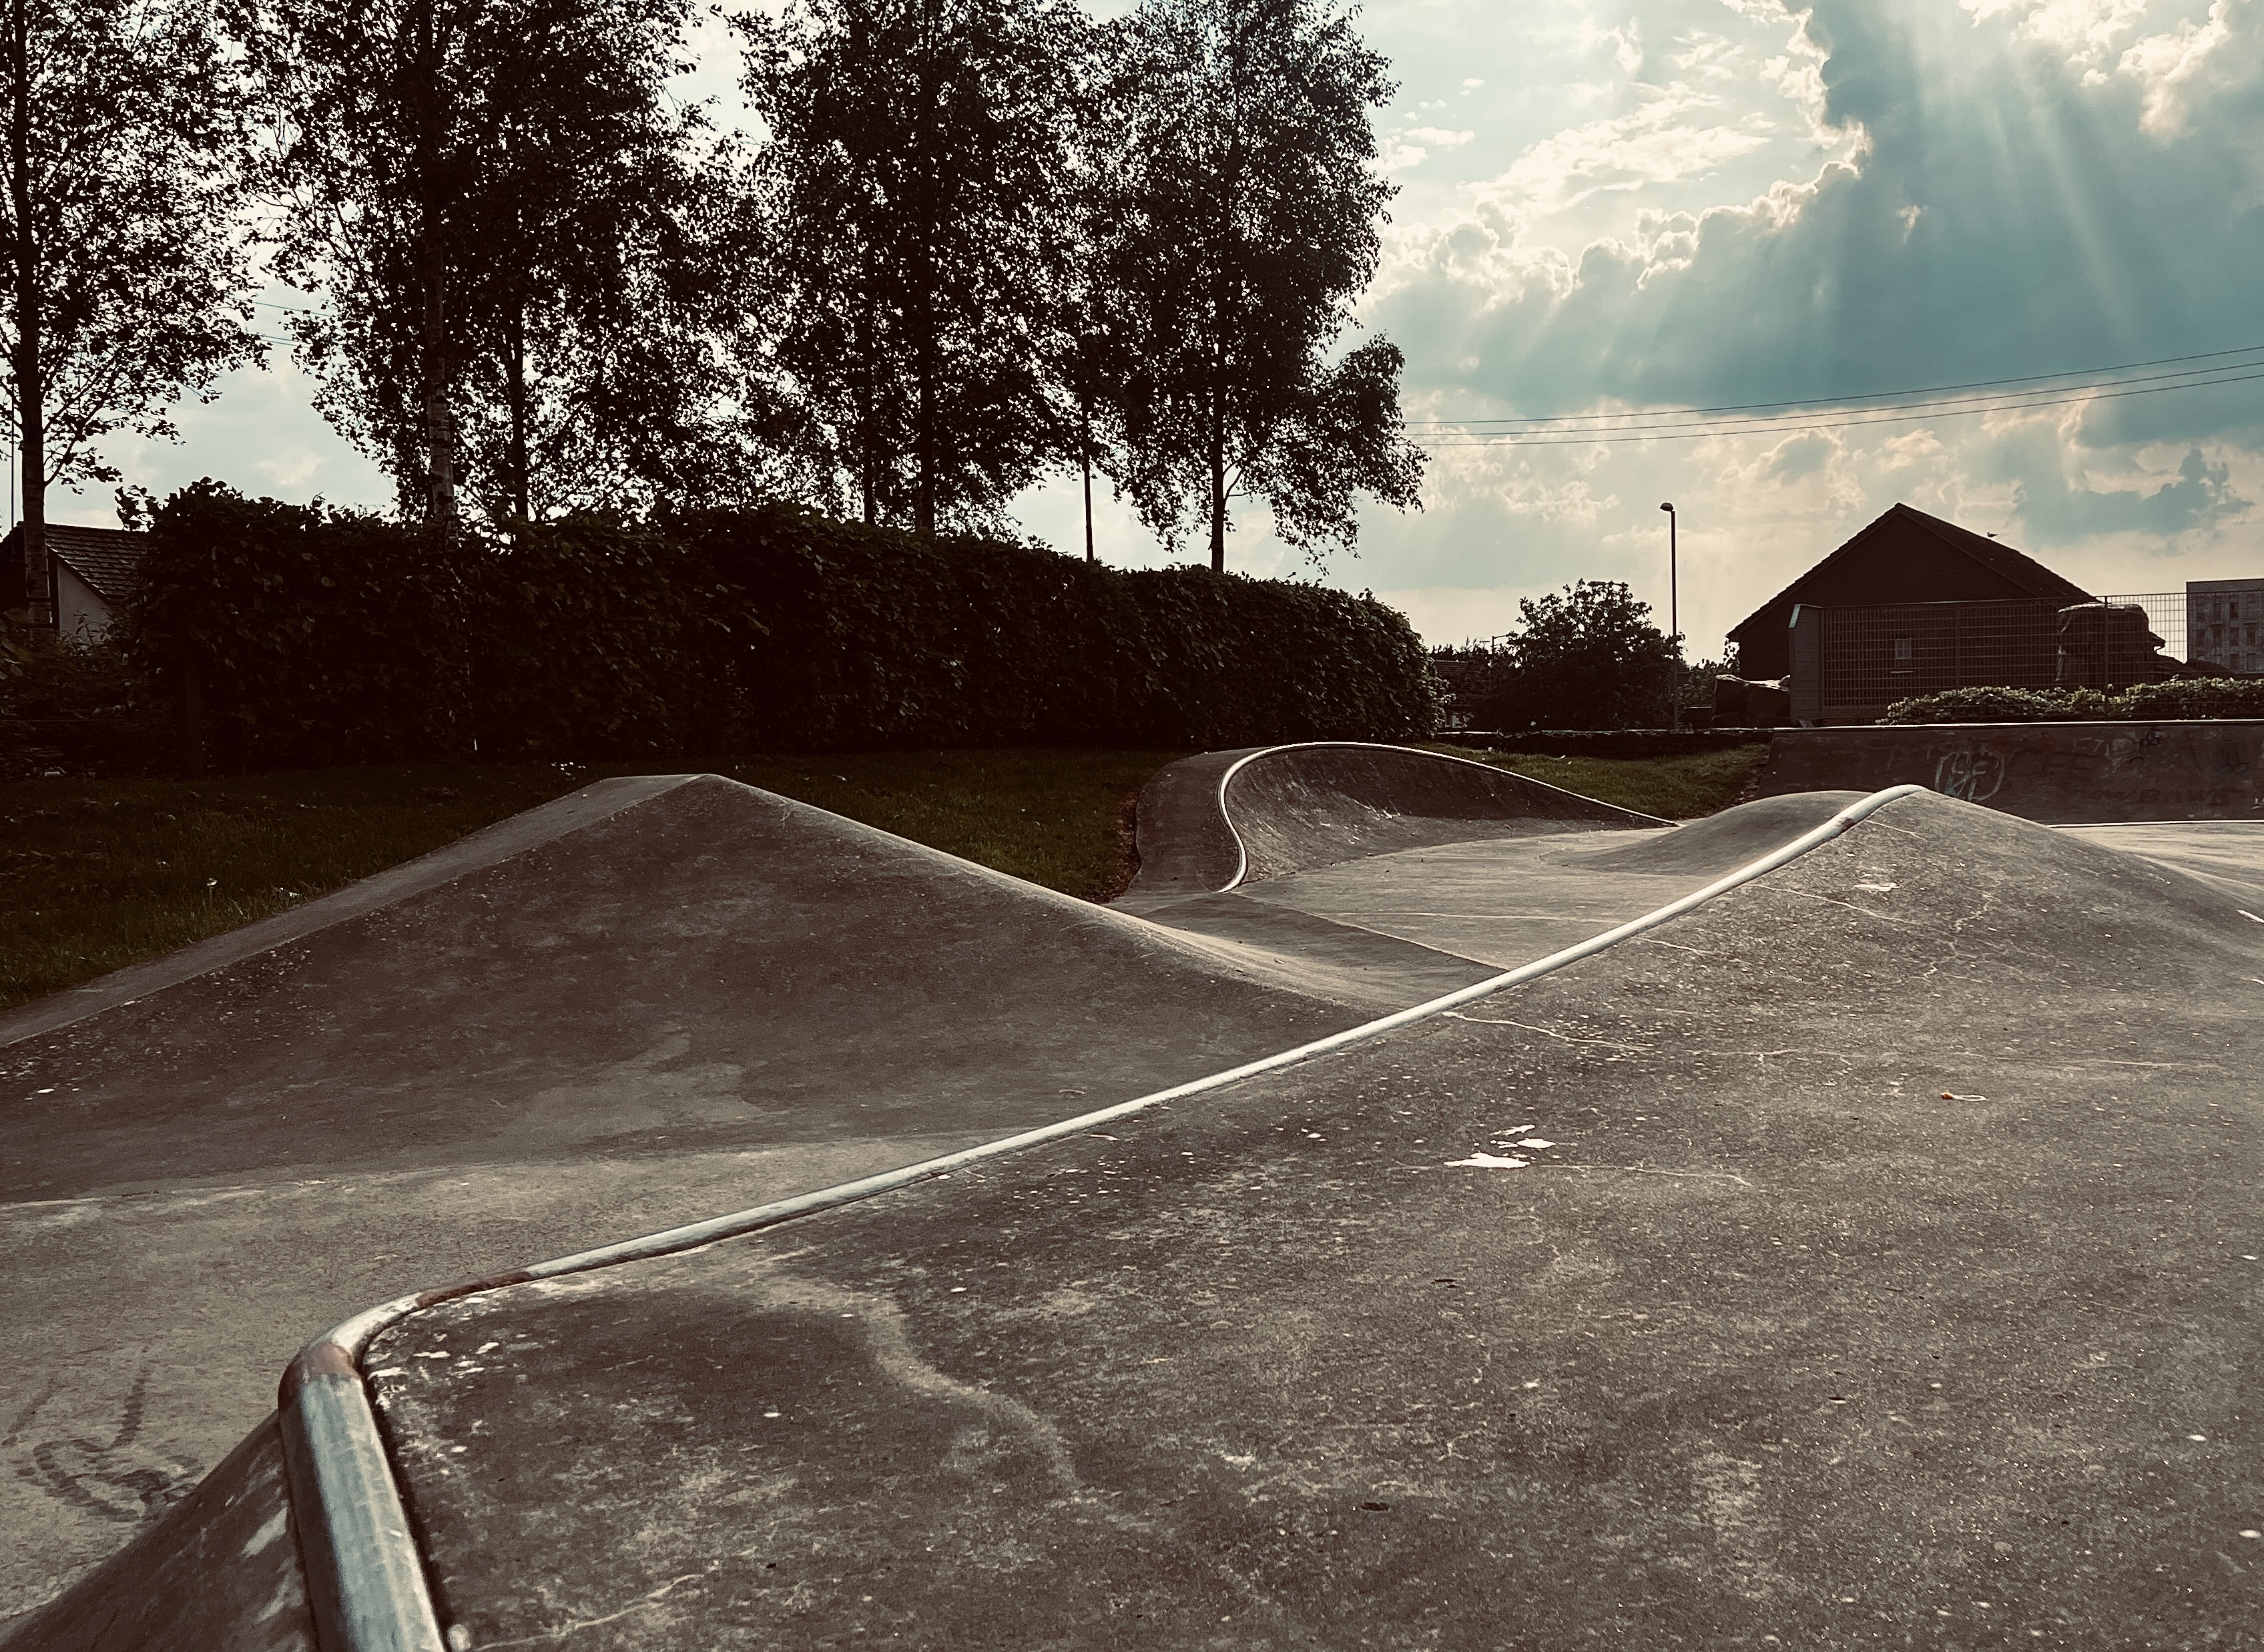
pixel 1672 788
pixel 98 874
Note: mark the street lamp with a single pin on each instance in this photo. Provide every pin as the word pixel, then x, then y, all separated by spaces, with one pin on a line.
pixel 1673 618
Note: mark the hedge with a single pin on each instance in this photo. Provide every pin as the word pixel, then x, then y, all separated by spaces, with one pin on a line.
pixel 319 636
pixel 2194 697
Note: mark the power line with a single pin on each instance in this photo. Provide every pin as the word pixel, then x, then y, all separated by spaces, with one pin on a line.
pixel 1672 434
pixel 1870 395
pixel 1677 420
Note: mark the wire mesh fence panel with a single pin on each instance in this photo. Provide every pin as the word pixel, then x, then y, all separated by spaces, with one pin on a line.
pixel 1875 655
pixel 2165 618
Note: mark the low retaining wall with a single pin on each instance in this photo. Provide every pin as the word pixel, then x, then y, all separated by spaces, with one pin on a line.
pixel 1608 743
pixel 2061 774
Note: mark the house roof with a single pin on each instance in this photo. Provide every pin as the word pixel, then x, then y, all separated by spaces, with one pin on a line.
pixel 106 558
pixel 2018 570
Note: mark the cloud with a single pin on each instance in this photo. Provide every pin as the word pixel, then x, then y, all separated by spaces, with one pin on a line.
pixel 2200 497
pixel 1654 144
pixel 1798 457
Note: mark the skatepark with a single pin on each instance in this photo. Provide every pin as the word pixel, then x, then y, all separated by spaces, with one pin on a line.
pixel 1427 1208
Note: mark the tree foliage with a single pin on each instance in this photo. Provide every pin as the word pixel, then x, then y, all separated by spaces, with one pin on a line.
pixel 1244 227
pixel 1586 656
pixel 127 286
pixel 515 233
pixel 916 238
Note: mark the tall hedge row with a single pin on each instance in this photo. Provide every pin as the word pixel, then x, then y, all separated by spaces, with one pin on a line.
pixel 317 636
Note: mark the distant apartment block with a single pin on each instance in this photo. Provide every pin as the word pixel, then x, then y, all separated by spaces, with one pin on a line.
pixel 2223 620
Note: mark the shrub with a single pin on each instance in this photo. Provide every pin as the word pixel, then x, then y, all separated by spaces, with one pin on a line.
pixel 827 633
pixel 74 706
pixel 2197 697
pixel 2142 702
pixel 322 637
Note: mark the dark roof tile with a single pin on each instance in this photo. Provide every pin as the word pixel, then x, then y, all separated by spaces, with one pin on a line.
pixel 106 558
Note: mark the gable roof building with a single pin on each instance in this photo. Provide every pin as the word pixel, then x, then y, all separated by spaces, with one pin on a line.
pixel 91 572
pixel 1903 556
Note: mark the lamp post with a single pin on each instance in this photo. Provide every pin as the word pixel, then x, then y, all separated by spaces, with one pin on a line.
pixel 1673 619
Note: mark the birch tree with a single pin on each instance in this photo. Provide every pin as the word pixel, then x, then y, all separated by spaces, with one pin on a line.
pixel 128 288
pixel 1246 229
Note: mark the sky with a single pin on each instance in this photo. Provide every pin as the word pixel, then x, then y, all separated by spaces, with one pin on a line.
pixel 1610 209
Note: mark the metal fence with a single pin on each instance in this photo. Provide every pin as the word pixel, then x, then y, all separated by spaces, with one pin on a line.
pixel 1850 663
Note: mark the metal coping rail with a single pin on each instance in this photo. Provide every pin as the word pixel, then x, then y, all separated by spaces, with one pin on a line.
pixel 1242 852
pixel 365 1578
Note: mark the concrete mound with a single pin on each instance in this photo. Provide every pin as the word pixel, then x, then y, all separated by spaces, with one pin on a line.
pixel 652 1001
pixel 2059 773
pixel 1210 822
pixel 705 965
pixel 1866 1256
pixel 1721 842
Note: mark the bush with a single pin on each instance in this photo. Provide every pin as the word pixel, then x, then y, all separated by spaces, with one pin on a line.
pixel 2197 697
pixel 1587 658
pixel 324 637
pixel 2142 702
pixel 75 706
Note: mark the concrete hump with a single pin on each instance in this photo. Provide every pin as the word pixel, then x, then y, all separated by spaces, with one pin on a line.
pixel 1210 822
pixel 655 965
pixel 2062 774
pixel 1682 1296
pixel 1720 844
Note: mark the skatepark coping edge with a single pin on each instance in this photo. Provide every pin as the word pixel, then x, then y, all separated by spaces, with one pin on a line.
pixel 366 1575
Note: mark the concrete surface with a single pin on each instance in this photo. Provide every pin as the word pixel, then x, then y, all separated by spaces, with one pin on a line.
pixel 222 1576
pixel 652 1001
pixel 1888 1276
pixel 1287 808
pixel 1506 901
pixel 656 999
pixel 1266 1369
pixel 2060 773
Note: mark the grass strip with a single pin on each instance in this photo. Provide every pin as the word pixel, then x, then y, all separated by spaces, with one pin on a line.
pixel 98 874
pixel 1672 788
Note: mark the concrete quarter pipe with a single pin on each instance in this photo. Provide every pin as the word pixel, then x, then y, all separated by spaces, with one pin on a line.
pixel 1861 1255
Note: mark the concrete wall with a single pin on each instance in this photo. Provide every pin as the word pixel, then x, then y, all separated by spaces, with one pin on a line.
pixel 2059 773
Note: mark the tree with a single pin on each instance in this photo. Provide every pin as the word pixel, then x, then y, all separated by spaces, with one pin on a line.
pixel 1586 658
pixel 127 286
pixel 917 237
pixel 511 227
pixel 1246 228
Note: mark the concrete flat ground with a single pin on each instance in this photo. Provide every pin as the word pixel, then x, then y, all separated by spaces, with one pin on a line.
pixel 1867 1258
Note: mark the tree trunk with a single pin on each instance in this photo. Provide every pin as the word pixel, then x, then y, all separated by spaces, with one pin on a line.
pixel 439 446
pixel 439 442
pixel 522 486
pixel 1084 458
pixel 31 375
pixel 869 481
pixel 924 273
pixel 1217 486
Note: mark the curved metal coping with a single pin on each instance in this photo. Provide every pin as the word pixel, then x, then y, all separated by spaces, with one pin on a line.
pixel 365 1576
pixel 1242 851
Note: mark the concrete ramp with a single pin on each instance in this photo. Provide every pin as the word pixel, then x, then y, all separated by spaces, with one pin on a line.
pixel 1227 818
pixel 1865 1257
pixel 655 999
pixel 2057 773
